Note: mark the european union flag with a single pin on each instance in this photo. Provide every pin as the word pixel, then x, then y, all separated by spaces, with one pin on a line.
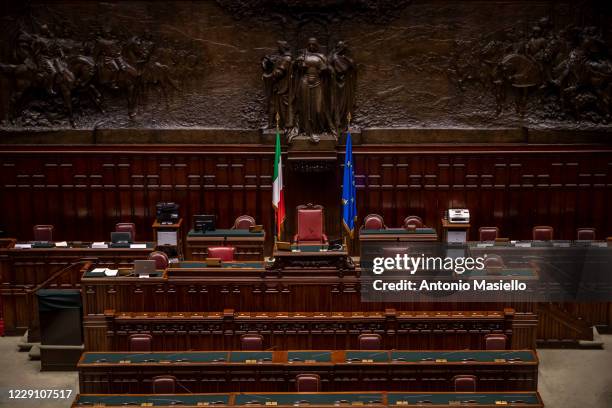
pixel 349 204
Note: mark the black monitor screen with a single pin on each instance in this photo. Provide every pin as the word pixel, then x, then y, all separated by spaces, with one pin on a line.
pixel 121 237
pixel 204 222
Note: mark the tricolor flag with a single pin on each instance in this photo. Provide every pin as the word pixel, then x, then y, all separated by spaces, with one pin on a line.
pixel 349 205
pixel 278 200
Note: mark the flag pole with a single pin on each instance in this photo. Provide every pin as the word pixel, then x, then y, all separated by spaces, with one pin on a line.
pixel 277 237
pixel 348 238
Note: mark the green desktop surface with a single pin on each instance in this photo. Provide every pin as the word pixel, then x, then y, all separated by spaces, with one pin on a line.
pixel 243 356
pixel 156 400
pixel 196 265
pixel 303 356
pixel 464 398
pixel 313 399
pixel 461 356
pixel 225 233
pixel 374 356
pixel 43 245
pixel 397 231
pixel 153 358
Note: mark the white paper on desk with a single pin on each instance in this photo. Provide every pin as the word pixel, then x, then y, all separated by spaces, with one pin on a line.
pixel 99 245
pixel 484 245
pixel 99 270
pixel 143 276
pixel 138 246
pixel 523 245
pixel 23 246
pixel 166 238
pixel 111 272
pixel 61 244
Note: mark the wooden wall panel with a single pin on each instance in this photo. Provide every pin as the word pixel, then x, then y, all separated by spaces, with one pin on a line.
pixel 84 191
pixel 513 190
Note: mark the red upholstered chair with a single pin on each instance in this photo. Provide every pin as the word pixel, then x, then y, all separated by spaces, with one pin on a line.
pixel 542 233
pixel 160 258
pixel 307 382
pixel 488 233
pixel 413 220
pixel 585 234
pixel 127 227
pixel 464 383
pixel 370 341
pixel 496 341
pixel 225 254
pixel 164 384
pixel 244 222
pixel 310 225
pixel 140 342
pixel 43 233
pixel 251 342
pixel 373 222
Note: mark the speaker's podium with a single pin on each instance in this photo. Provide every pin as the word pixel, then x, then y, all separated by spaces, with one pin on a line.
pixel 61 335
pixel 455 233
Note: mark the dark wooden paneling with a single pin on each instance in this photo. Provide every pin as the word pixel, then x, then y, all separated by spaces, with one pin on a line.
pixel 84 191
pixel 309 331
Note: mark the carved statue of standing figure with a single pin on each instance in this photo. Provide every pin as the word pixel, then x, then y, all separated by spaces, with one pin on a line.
pixel 344 84
pixel 313 93
pixel 277 77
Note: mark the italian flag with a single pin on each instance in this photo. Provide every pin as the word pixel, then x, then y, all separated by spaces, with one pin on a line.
pixel 278 200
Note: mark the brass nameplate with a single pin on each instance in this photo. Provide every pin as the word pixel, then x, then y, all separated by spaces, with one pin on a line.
pixel 165 361
pixel 202 404
pixel 356 402
pixel 250 361
pixel 367 360
pixel 271 403
pixel 501 402
pixel 124 361
pixel 441 360
pixel 310 361
pixel 500 360
pixel 146 404
pixel 401 402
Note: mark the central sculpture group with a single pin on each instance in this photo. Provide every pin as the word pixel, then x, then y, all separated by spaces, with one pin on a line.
pixel 311 94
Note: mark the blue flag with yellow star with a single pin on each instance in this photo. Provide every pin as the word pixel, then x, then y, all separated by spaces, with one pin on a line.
pixel 349 203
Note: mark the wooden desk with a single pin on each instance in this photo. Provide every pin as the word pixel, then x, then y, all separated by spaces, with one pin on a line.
pixel 398 235
pixel 319 399
pixel 340 370
pixel 427 330
pixel 249 245
pixel 561 323
pixel 226 288
pixel 455 227
pixel 176 246
pixel 25 270
pixel 312 258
